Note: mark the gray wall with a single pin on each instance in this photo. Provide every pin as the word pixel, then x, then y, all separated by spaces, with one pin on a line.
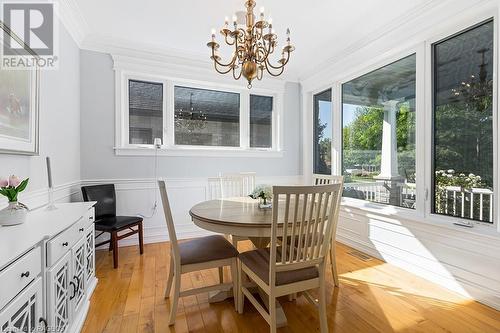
pixel 59 123
pixel 98 160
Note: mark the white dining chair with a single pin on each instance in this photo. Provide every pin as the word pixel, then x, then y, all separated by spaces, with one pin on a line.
pixel 231 185
pixel 322 180
pixel 194 255
pixel 304 218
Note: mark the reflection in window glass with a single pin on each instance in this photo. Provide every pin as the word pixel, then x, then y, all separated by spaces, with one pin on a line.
pixel 463 124
pixel 323 133
pixel 206 117
pixel 261 115
pixel 145 111
pixel 378 139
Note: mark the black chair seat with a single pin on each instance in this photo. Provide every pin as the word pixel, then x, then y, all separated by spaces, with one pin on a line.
pixel 114 223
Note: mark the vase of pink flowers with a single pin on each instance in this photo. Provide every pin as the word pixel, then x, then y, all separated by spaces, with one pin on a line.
pixel 15 212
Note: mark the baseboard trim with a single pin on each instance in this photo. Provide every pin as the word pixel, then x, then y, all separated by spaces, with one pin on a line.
pixel 481 294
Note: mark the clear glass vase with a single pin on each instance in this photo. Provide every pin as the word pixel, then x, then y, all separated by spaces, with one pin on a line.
pixel 265 203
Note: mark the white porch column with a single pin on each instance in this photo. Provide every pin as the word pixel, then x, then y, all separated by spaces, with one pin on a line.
pixel 389 162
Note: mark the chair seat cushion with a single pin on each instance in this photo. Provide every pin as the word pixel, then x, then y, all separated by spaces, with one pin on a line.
pixel 258 262
pixel 206 249
pixel 114 223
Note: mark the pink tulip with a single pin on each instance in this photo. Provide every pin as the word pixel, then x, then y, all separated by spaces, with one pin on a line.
pixel 14 181
pixel 4 182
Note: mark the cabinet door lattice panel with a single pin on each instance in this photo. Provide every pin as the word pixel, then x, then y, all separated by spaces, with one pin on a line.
pixel 24 313
pixel 59 286
pixel 89 254
pixel 79 273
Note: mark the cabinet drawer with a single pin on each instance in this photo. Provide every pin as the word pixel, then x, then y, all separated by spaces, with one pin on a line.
pixel 19 274
pixel 88 219
pixel 62 243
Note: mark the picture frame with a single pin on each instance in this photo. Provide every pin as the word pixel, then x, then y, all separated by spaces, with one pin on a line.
pixel 19 105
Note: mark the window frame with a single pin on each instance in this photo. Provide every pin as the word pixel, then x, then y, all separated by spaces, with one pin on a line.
pixel 424 115
pixel 313 119
pixel 443 35
pixel 169 148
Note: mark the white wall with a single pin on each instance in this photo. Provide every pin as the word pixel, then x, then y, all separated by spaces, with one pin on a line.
pixel 186 176
pixel 59 130
pixel 98 134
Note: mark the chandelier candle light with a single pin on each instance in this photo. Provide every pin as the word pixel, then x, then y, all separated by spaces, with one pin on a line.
pixel 253 46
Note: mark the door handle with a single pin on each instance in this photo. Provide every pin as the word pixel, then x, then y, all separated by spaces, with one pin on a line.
pixel 44 322
pixel 74 290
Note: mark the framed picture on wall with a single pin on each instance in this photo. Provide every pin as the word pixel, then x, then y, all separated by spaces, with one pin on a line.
pixel 19 105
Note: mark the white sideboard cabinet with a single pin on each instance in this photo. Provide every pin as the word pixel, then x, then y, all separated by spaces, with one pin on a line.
pixel 47 270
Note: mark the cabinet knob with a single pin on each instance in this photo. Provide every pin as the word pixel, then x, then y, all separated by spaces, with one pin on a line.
pixel 25 274
pixel 65 244
pixel 81 229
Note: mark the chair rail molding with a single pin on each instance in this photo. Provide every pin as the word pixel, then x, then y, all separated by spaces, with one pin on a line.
pixel 137 196
pixel 37 198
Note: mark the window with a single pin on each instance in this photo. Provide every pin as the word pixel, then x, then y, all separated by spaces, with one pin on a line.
pixel 198 120
pixel 323 133
pixel 206 117
pixel 261 118
pixel 145 101
pixel 378 134
pixel 463 124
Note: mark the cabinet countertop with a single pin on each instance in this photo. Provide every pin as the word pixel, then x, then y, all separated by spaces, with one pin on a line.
pixel 40 224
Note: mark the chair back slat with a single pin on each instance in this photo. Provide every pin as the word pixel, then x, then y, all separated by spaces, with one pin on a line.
pixel 304 218
pixel 326 179
pixel 234 185
pixel 285 230
pixel 169 220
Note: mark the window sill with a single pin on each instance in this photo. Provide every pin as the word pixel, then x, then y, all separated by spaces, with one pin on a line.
pixel 435 221
pixel 198 151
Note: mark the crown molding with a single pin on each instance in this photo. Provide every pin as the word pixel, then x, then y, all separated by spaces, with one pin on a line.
pixel 74 21
pixel 412 17
pixel 402 35
pixel 172 62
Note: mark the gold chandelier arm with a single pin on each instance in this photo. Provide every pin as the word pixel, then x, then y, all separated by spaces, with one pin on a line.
pixel 228 41
pixel 237 77
pixel 268 63
pixel 214 58
pixel 281 69
pixel 222 71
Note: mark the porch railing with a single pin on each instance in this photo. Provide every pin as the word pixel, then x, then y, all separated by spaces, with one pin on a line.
pixel 476 203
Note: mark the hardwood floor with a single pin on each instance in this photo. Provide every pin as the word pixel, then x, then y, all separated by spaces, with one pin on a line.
pixel 373 297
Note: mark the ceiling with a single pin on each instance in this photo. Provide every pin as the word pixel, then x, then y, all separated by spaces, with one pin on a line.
pixel 320 29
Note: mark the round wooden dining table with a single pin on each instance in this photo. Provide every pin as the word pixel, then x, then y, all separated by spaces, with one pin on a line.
pixel 242 219
pixel 239 217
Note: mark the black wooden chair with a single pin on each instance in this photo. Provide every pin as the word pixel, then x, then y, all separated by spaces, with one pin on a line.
pixel 107 221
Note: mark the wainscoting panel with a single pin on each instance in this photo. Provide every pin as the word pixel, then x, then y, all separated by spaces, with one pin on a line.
pixel 466 263
pixel 36 199
pixel 137 197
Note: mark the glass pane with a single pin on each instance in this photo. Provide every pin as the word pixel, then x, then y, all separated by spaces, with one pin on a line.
pixel 206 117
pixel 145 111
pixel 463 124
pixel 378 139
pixel 323 133
pixel 261 118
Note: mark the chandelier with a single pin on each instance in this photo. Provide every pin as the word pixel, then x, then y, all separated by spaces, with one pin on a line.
pixel 253 46
pixel 190 120
pixel 477 93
